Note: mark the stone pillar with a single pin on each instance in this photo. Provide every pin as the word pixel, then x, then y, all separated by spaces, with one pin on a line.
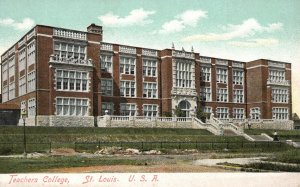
pixel 107 120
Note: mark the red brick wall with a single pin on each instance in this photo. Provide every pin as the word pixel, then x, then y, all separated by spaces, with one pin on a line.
pixel 166 80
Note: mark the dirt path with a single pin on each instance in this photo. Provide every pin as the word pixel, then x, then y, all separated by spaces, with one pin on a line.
pixel 141 169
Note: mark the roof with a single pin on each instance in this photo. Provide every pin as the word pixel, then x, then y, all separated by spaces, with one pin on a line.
pixel 9 107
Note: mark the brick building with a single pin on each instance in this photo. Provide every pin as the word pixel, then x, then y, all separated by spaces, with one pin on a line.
pixel 61 76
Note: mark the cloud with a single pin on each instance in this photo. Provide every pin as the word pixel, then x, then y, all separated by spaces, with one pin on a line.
pixel 181 21
pixel 26 23
pixel 135 17
pixel 248 28
pixel 255 42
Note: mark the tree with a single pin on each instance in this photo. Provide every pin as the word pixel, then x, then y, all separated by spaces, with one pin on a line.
pixel 201 115
pixel 167 114
pixel 178 112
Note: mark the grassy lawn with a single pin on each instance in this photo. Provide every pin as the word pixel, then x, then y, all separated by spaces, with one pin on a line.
pixel 290 156
pixel 283 134
pixel 67 135
pixel 20 165
pixel 40 139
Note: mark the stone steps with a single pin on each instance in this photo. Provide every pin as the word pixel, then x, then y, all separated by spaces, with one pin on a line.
pixel 259 138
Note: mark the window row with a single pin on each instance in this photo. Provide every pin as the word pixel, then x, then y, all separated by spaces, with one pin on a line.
pixel 71 80
pixel 127 88
pixel 223 112
pixel 277 75
pixel 280 95
pixel 149 68
pixel 184 74
pixel 280 113
pixel 128 65
pixel 222 75
pixel 71 107
pixel 69 50
pixel 222 95
pixel 129 109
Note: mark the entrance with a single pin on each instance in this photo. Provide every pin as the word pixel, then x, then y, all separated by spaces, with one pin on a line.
pixel 185 106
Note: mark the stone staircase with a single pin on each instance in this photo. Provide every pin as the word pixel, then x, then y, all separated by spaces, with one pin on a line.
pixel 261 138
pixel 229 132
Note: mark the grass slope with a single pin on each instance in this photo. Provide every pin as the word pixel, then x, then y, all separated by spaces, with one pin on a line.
pixel 283 134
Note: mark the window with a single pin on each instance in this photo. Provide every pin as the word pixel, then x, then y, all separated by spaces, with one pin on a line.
pixel 222 113
pixel 238 96
pixel 238 113
pixel 222 94
pixel 280 113
pixel 222 75
pixel 31 107
pixel 276 75
pixel 184 74
pixel 238 77
pixel 23 106
pixel 11 67
pixel 4 71
pixel 71 107
pixel 71 80
pixel 31 53
pixel 150 110
pixel 31 81
pixel 107 106
pixel 150 90
pixel 106 87
pixel 12 91
pixel 128 109
pixel 22 86
pixel 205 74
pixel 255 113
pixel 205 94
pixel 207 110
pixel 127 65
pixel 106 63
pixel 127 88
pixel 5 94
pixel 69 51
pixel 22 59
pixel 149 67
pixel 280 95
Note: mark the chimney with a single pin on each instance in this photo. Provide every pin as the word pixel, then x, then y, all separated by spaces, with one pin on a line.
pixel 93 28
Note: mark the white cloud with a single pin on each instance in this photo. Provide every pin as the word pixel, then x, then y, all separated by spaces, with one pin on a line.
pixel 181 21
pixel 135 17
pixel 248 28
pixel 26 23
pixel 255 42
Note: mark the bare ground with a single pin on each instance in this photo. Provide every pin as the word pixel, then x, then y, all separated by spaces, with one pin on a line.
pixel 143 169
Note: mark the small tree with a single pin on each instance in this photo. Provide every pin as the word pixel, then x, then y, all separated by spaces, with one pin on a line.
pixel 167 114
pixel 179 113
pixel 201 115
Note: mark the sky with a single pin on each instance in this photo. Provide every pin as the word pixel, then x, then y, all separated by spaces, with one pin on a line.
pixel 242 30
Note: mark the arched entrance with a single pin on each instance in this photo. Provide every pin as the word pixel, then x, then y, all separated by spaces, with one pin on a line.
pixel 185 106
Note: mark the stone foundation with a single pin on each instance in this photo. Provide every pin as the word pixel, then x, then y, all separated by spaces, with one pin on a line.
pixel 71 121
pixel 279 125
pixel 107 121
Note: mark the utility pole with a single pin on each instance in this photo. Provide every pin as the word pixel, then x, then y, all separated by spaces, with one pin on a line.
pixel 24 115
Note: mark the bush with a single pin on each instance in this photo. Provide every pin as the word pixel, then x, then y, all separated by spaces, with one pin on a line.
pixel 272 167
pixel 5 151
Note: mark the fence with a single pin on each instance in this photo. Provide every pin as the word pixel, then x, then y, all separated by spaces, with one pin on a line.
pixel 264 146
pixel 47 147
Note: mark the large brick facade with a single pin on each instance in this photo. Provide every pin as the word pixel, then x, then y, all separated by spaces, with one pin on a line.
pixel 175 78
